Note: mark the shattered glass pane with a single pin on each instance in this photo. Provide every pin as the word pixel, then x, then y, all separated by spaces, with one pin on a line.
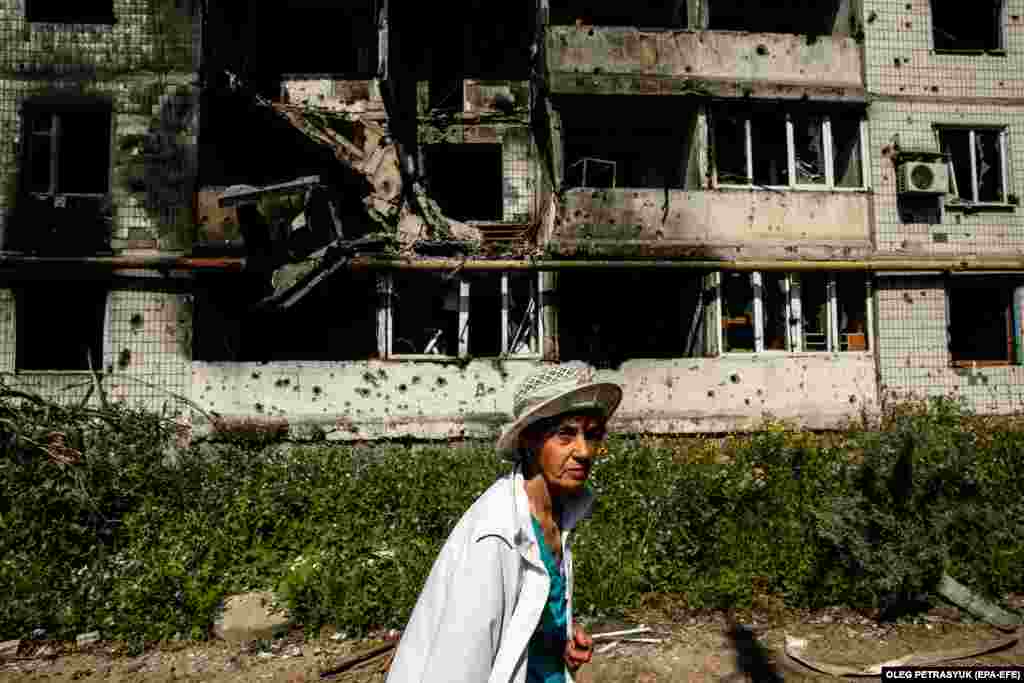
pixel 738 312
pixel 846 151
pixel 990 175
pixel 768 144
pixel 425 314
pixel 814 308
pixel 773 311
pixel 522 313
pixel 809 143
pixel 955 143
pixel 730 149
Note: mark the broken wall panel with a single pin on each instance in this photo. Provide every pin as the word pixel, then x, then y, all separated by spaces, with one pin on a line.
pixel 598 60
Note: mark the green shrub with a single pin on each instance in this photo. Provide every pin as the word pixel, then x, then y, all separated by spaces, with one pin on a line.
pixel 125 539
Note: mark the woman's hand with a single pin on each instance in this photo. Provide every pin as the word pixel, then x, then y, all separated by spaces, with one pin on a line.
pixel 579 650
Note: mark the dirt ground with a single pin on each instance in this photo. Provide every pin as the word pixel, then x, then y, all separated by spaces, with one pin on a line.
pixel 693 647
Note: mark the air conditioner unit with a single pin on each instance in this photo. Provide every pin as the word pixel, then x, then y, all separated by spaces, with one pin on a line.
pixel 918 177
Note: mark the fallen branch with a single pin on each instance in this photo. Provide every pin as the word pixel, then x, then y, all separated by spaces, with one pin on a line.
pixel 363 658
pixel 616 634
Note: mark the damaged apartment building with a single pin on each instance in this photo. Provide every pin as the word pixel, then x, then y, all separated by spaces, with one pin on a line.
pixel 366 219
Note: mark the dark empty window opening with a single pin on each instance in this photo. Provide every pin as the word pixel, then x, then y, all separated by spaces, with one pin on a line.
pixel 609 318
pixel 810 17
pixel 737 313
pixel 466 180
pixel 976 159
pixel 310 37
pixel 925 209
pixel 814 305
pixel 425 313
pixel 67 150
pixel 959 28
pixel 503 314
pixel 603 152
pixel 60 326
pixel 980 321
pixel 77 12
pixel 851 309
pixel 647 14
pixel 334 322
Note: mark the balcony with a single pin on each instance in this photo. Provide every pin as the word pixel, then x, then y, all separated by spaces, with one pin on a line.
pixel 620 60
pixel 712 223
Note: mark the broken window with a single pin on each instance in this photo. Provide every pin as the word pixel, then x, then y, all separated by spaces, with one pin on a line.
pixel 738 313
pixel 607 318
pixel 335 321
pixel 67 150
pixel 428 315
pixel 976 159
pixel 503 315
pixel 769 148
pixel 78 12
pixel 956 28
pixel 466 180
pixel 775 16
pixel 60 327
pixel 606 145
pixel 648 14
pixel 793 312
pixel 980 320
pixel 851 312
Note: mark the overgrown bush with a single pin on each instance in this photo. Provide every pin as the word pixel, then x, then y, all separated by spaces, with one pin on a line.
pixel 100 528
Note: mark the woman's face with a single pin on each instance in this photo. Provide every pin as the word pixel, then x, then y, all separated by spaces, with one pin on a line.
pixel 565 452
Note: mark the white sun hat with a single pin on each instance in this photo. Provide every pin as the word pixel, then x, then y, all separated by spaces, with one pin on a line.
pixel 555 390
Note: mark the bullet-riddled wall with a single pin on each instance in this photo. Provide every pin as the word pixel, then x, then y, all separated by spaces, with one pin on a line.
pixel 948 336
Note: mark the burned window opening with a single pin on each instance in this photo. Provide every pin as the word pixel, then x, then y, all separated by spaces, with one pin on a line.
pixel 67 149
pixel 976 159
pixel 809 17
pixel 466 180
pixel 336 321
pixel 957 29
pixel 78 12
pixel 980 320
pixel 609 318
pixel 611 13
pixel 60 326
pixel 601 151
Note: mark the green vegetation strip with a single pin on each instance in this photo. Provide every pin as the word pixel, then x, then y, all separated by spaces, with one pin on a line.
pixel 106 524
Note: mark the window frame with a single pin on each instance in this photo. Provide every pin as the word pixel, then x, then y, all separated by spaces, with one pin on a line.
pixel 793 312
pixel 1000 33
pixel 828 157
pixel 1012 360
pixel 385 322
pixel 953 199
pixel 57 112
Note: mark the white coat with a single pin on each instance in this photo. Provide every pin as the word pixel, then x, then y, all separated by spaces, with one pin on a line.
pixel 485 593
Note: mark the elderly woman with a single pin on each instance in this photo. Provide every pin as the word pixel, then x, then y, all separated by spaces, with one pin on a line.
pixel 497 605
